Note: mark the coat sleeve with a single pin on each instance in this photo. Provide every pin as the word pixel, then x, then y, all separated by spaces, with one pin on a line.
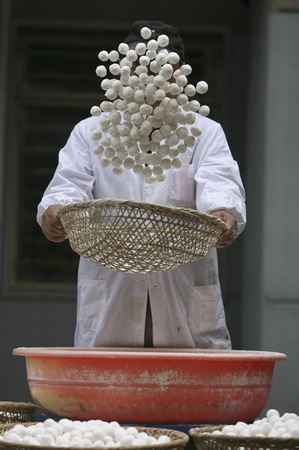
pixel 217 177
pixel 73 179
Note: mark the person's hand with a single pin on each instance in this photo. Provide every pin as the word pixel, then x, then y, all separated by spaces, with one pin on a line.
pixel 51 225
pixel 230 234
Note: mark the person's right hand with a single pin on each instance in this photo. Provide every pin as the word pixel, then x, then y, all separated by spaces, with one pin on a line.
pixel 51 225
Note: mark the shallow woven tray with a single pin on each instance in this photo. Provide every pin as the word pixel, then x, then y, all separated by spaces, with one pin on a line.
pixel 12 412
pixel 202 441
pixel 179 440
pixel 138 237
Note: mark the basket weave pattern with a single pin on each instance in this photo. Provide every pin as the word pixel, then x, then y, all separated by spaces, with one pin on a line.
pixel 12 412
pixel 203 440
pixel 137 237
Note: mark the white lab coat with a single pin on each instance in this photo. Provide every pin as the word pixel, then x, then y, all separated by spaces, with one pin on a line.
pixel 186 303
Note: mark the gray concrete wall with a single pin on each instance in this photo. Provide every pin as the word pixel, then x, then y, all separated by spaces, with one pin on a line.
pixel 36 322
pixel 270 304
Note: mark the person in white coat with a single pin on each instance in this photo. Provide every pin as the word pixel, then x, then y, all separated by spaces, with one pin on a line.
pixel 179 308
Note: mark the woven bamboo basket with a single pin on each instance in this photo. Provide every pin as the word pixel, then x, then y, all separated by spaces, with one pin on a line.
pixel 12 412
pixel 138 237
pixel 179 441
pixel 202 439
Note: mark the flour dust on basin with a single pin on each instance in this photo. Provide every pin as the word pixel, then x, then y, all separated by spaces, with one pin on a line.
pixel 162 386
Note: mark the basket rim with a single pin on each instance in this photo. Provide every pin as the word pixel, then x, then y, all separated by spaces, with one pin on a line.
pixel 7 404
pixel 191 213
pixel 200 434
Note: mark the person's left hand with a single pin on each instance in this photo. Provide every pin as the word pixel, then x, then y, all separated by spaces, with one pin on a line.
pixel 228 236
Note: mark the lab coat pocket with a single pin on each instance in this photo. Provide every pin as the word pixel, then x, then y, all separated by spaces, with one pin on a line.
pixel 206 313
pixel 182 187
pixel 91 303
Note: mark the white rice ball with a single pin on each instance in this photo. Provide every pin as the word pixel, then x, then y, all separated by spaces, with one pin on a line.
pixel 181 80
pixel 145 109
pixel 159 112
pixel 106 106
pixel 138 168
pixel 185 69
pixel 103 55
pixel 152 44
pixel 111 94
pixel 137 118
pixel 134 81
pixel 106 141
pixel 182 99
pixel 181 148
pixel 109 153
pixel 123 48
pixel 204 110
pixel 113 56
pixel 164 439
pixel 106 84
pixel 125 71
pixel 154 66
pixel 124 129
pixel 98 149
pixel 135 133
pixel 196 131
pixel 115 143
pixel 190 118
pixel 146 127
pixel 127 440
pixel 141 69
pixel 159 95
pixel 190 90
pixel 151 54
pixel 161 57
pixel 157 136
pixel 167 71
pixel 128 163
pixel 175 89
pixel 173 58
pixel 163 40
pixel 133 107
pixel 140 48
pixel 119 104
pixel 95 111
pixel 114 69
pixel 101 71
pixel 194 105
pixel 172 140
pixel 131 55
pixel 166 129
pixel 144 60
pixel 189 141
pixel 96 134
pixel 201 87
pixel 128 92
pixel 11 436
pixel 166 163
pixel 173 105
pixel 139 95
pixel 145 33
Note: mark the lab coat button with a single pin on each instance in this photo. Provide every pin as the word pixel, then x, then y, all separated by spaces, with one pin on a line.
pixel 143 285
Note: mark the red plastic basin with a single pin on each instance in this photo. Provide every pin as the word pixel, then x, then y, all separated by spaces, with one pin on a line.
pixel 150 386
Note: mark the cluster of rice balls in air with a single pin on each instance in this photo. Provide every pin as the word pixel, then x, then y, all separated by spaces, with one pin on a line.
pixel 149 115
pixel 86 434
pixel 273 425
